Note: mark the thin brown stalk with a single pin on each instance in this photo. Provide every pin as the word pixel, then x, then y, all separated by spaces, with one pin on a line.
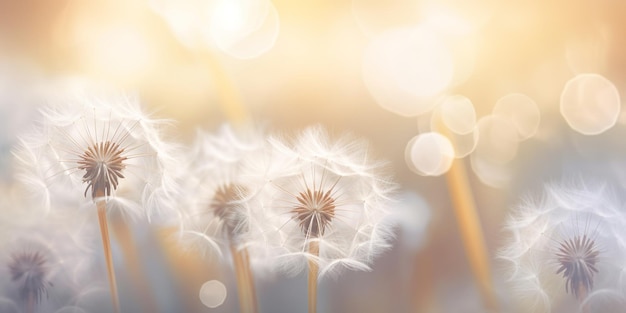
pixel 469 226
pixel 124 237
pixel 242 279
pixel 30 303
pixel 582 295
pixel 471 231
pixel 314 250
pixel 249 281
pixel 104 231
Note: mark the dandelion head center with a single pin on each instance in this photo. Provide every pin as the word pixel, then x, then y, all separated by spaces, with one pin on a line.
pixel 224 205
pixel 103 164
pixel 30 270
pixel 315 211
pixel 577 258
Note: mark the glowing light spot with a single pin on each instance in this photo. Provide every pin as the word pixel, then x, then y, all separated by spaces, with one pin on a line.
pixel 228 16
pixel 458 114
pixel 522 111
pixel 498 141
pixel 374 16
pixel 115 51
pixel 213 293
pixel 451 120
pixel 489 173
pixel 464 144
pixel 448 21
pixel 186 18
pixel 590 104
pixel 429 154
pixel 407 69
pixel 587 52
pixel 244 28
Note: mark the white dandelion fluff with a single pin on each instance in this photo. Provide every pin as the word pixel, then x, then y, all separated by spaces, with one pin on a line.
pixel 213 216
pixel 99 148
pixel 566 250
pixel 46 260
pixel 326 202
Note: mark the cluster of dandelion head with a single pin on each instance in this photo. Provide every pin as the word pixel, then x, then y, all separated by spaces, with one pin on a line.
pixel 212 213
pixel 326 192
pixel 91 147
pixel 566 251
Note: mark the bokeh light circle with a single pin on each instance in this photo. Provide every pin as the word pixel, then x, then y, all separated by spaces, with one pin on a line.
pixel 498 141
pixel 458 114
pixel 522 111
pixel 406 70
pixel 212 293
pixel 489 173
pixel 244 29
pixel 590 104
pixel 429 154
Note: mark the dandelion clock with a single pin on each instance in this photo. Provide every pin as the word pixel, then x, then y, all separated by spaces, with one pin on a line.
pixel 566 251
pixel 99 150
pixel 323 207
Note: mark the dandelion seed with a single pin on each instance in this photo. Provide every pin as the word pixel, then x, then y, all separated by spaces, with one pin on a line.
pixel 214 217
pixel 328 192
pixel 325 211
pixel 110 149
pixel 106 147
pixel 566 250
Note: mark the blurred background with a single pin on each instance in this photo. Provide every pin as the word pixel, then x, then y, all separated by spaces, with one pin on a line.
pixel 517 92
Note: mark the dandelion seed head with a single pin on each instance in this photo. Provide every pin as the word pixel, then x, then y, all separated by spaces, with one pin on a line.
pixel 564 246
pixel 226 207
pixel 330 192
pixel 29 270
pixel 100 147
pixel 103 164
pixel 315 211
pixel 215 189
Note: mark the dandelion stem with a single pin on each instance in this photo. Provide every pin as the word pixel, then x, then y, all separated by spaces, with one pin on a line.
pixel 582 295
pixel 124 237
pixel 314 250
pixel 104 231
pixel 30 303
pixel 471 231
pixel 245 306
pixel 249 281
